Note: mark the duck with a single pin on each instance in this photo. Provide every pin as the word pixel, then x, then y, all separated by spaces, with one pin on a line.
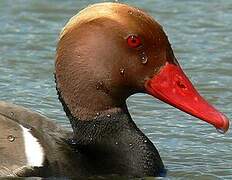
pixel 106 53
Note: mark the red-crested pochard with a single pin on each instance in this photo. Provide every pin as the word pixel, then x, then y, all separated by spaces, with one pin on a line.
pixel 105 53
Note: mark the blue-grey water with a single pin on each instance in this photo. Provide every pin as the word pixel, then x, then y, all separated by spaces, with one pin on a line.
pixel 201 36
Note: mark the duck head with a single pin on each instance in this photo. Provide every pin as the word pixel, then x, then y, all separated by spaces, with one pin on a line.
pixel 110 51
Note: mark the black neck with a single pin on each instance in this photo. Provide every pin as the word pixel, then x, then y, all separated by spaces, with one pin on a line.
pixel 116 144
pixel 113 144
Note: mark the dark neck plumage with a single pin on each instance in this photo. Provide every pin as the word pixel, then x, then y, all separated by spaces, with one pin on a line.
pixel 113 144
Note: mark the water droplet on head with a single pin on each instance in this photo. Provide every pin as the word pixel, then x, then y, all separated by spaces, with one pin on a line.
pixel 130 12
pixel 99 85
pixel 145 141
pixel 116 143
pixel 122 71
pixel 108 115
pixel 98 114
pixel 11 113
pixel 144 58
pixel 130 144
pixel 11 138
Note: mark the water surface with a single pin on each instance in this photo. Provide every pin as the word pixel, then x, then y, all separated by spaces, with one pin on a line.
pixel 201 36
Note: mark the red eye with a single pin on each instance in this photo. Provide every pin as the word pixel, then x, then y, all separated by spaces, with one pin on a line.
pixel 134 41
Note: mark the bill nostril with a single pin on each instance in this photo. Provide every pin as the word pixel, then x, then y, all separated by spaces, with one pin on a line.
pixel 181 85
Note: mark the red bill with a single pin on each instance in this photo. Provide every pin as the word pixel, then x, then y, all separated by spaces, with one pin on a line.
pixel 172 86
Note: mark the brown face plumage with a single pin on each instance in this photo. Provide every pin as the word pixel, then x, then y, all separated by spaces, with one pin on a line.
pixel 94 53
pixel 109 51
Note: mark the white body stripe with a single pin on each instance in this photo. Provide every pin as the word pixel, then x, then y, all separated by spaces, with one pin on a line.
pixel 33 149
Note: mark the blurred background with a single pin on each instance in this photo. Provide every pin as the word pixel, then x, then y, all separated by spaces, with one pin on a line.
pixel 201 35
